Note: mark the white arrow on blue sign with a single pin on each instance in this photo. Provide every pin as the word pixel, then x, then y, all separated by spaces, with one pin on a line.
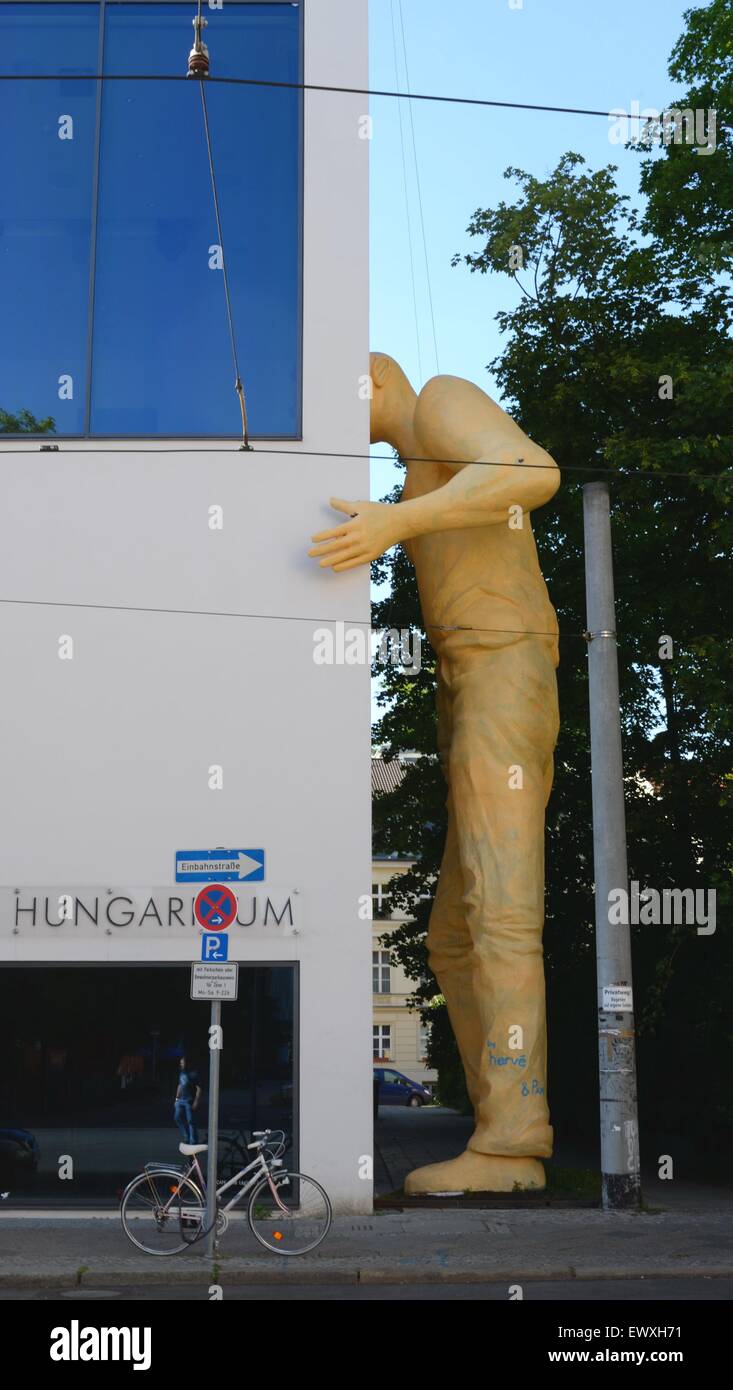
pixel 214 946
pixel 217 865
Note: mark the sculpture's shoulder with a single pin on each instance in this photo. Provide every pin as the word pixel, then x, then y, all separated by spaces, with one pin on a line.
pixel 455 392
pixel 456 412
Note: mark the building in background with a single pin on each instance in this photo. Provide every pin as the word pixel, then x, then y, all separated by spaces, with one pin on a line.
pixel 398 1035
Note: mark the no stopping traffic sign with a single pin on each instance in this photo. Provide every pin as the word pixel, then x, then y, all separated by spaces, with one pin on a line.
pixel 215 907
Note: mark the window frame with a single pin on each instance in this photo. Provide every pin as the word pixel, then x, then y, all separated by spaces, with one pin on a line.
pixel 382 1028
pixel 382 965
pixel 381 900
pixel 87 435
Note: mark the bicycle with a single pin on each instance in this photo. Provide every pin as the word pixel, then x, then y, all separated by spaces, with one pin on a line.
pixel 166 1205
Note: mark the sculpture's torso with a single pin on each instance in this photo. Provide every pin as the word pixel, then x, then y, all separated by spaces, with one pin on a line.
pixel 484 577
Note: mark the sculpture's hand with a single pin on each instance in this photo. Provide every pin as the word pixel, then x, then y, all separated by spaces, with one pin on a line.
pixel 371 530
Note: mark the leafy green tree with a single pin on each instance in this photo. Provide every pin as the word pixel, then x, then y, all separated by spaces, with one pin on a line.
pixel 690 207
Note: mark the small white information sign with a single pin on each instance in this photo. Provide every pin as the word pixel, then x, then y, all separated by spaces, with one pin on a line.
pixel 212 981
pixel 618 999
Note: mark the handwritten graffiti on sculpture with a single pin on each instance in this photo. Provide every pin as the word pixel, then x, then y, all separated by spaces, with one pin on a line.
pixel 496 1061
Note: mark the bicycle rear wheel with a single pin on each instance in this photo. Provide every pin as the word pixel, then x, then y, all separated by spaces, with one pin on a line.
pixel 162 1212
pixel 293 1219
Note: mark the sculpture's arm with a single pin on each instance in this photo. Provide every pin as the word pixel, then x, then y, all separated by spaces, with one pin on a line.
pixel 481 493
pixel 478 494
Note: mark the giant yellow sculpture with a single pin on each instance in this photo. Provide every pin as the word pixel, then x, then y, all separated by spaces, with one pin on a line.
pixel 472 479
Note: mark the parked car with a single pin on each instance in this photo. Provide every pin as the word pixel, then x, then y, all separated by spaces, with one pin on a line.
pixel 397 1089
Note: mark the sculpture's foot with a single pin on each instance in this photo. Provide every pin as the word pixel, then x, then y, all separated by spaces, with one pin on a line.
pixel 477 1172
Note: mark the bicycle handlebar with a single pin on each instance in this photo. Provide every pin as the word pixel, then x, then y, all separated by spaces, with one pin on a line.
pixel 269 1138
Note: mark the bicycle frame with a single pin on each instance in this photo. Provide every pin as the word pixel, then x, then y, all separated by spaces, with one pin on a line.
pixel 259 1163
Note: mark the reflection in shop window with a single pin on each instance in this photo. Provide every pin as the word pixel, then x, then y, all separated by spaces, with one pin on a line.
pixel 92 1063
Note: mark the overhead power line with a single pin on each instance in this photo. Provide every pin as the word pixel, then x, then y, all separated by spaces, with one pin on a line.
pixel 275 617
pixel 407 204
pixel 198 68
pixel 304 87
pixel 643 473
pixel 419 189
pixel 395 623
pixel 238 387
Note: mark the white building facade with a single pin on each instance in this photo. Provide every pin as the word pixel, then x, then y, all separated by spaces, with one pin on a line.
pixel 158 629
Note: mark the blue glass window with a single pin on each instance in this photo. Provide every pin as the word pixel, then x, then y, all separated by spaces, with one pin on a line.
pixel 46 210
pixel 145 302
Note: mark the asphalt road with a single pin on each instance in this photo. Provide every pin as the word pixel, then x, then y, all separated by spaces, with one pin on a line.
pixel 572 1291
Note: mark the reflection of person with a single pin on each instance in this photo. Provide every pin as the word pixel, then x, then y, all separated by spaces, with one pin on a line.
pixel 188 1095
pixel 466 528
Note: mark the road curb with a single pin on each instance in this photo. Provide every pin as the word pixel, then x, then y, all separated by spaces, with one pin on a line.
pixel 353 1274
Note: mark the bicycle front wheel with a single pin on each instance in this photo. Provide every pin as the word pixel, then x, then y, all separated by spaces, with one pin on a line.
pixel 162 1212
pixel 289 1213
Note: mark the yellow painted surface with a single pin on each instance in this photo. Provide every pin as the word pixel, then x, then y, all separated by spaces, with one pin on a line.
pixel 473 477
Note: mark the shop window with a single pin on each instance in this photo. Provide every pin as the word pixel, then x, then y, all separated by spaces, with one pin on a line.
pixel 92 1065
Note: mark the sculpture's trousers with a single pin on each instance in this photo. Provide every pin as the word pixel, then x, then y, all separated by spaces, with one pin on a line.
pixel 497 728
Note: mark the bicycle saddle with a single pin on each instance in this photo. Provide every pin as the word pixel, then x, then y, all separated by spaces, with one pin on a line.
pixel 190 1149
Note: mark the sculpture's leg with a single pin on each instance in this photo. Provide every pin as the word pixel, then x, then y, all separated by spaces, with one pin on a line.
pixel 450 954
pixel 450 949
pixel 504 727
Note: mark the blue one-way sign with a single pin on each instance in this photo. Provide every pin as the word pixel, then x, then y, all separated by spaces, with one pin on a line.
pixel 215 865
pixel 214 946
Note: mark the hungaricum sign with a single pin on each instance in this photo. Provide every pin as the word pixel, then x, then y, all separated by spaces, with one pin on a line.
pixel 141 912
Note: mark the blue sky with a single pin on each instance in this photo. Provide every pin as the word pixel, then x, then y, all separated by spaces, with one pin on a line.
pixel 559 52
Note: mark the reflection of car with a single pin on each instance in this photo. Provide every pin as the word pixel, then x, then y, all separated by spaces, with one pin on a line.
pixel 19 1152
pixel 396 1089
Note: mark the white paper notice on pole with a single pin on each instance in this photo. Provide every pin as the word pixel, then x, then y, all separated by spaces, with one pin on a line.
pixel 618 999
pixel 212 981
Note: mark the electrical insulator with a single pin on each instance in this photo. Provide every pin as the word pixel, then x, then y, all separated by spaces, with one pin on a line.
pixel 198 58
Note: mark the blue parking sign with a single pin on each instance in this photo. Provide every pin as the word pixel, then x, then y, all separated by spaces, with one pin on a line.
pixel 214 946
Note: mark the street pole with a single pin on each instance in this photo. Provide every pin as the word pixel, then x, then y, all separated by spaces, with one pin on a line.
pixel 620 1166
pixel 213 1132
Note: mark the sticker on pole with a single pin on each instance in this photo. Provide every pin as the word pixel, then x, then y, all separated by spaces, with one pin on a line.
pixel 215 907
pixel 618 999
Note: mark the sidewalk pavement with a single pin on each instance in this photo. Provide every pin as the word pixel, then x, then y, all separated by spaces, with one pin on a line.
pixel 686 1231
pixel 453 1246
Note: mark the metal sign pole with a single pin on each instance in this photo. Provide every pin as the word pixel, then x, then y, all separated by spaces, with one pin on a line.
pixel 617 1066
pixel 213 1134
pixel 214 978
